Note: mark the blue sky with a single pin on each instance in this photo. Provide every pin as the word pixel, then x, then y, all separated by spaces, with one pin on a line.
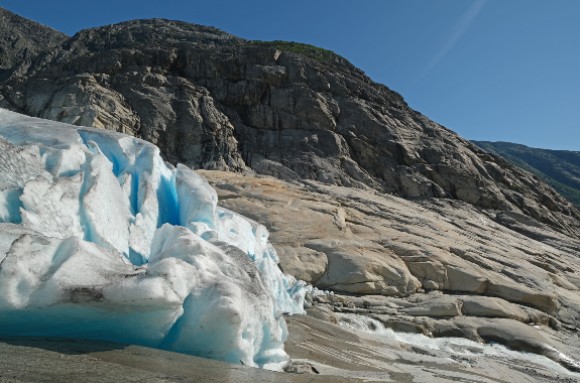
pixel 498 70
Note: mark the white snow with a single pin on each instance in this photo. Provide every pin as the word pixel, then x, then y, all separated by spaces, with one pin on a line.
pixel 99 238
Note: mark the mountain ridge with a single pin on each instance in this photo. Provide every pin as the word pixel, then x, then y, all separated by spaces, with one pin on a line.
pixel 215 101
pixel 21 40
pixel 559 168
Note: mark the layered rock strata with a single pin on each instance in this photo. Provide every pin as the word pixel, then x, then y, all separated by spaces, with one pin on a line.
pixel 215 101
pixel 439 267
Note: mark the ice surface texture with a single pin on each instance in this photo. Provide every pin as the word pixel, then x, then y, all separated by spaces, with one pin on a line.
pixel 99 238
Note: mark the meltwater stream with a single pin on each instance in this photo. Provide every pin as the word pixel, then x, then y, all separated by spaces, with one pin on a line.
pixel 455 348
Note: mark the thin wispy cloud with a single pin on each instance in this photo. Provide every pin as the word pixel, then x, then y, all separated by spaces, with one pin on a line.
pixel 458 31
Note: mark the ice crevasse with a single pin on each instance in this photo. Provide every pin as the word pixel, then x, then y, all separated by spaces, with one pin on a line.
pixel 101 239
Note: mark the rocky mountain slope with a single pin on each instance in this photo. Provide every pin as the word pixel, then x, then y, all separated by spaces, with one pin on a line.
pixel 21 41
pixel 215 101
pixel 559 168
pixel 402 219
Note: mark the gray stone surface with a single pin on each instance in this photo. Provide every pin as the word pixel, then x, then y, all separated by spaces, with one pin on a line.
pixel 22 41
pixel 35 360
pixel 215 101
pixel 437 267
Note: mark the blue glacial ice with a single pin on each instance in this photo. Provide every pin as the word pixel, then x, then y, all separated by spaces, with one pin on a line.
pixel 101 239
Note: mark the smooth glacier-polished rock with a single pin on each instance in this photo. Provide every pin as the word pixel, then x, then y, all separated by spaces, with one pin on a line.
pixel 436 267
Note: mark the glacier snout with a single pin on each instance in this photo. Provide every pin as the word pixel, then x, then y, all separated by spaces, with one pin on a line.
pixel 99 238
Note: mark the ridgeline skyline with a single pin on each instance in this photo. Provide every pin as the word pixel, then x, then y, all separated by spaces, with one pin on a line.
pixel 489 70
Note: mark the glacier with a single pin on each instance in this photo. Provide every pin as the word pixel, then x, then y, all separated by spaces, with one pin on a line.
pixel 101 239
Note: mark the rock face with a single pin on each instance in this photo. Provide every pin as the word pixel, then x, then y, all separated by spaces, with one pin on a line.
pixel 438 267
pixel 21 41
pixel 559 168
pixel 415 226
pixel 215 101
